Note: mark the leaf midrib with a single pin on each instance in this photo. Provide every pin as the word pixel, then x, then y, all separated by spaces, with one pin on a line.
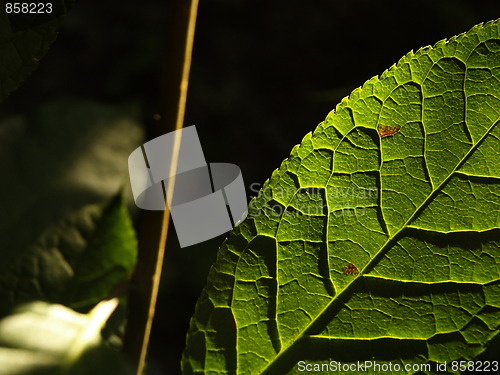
pixel 381 252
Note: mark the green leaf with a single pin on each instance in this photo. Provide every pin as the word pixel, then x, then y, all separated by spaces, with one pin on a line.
pixel 59 163
pixel 57 158
pixel 77 262
pixel 60 342
pixel 109 257
pixel 378 238
pixel 24 39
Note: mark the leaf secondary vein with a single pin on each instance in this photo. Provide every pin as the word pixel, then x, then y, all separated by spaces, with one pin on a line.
pixel 384 248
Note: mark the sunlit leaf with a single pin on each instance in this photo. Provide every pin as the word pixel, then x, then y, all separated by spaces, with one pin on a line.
pixel 60 341
pixel 378 238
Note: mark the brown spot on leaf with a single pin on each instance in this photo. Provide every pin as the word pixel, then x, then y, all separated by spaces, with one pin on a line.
pixel 385 130
pixel 351 269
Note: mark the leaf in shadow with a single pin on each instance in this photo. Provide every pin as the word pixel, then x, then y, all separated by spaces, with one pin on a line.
pixel 25 38
pixel 59 166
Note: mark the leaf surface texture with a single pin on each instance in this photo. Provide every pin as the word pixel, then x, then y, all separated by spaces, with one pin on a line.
pixel 378 238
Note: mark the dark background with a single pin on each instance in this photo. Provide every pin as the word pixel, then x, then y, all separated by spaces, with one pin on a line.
pixel 264 74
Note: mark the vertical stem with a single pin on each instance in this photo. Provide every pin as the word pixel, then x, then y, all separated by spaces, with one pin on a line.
pixel 154 224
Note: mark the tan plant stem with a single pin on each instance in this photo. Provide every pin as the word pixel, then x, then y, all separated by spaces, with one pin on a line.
pixel 155 224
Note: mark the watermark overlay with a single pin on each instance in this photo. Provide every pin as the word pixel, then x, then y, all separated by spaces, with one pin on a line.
pixel 205 199
pixel 374 366
pixel 334 201
pixel 209 199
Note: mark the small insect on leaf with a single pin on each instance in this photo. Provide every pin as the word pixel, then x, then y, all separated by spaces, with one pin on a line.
pixel 385 130
pixel 351 269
